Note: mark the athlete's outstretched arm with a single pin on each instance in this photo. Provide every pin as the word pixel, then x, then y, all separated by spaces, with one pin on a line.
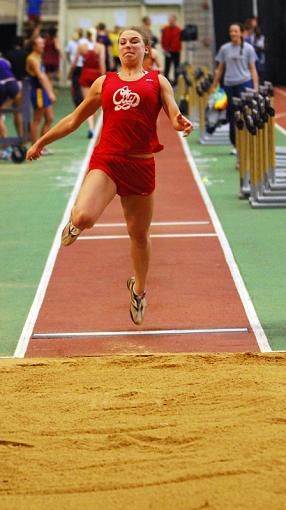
pixel 179 122
pixel 71 122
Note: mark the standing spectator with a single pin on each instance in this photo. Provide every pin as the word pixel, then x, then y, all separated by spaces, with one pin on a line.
pixel 254 36
pixel 34 9
pixel 102 38
pixel 71 47
pixel 17 58
pixel 152 60
pixel 76 70
pixel 93 54
pixel 113 36
pixel 71 51
pixel 146 25
pixel 171 44
pixel 51 56
pixel 42 94
pixel 237 59
pixel 10 94
pixel 33 31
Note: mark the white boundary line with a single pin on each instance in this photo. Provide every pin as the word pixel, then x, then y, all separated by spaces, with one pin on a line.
pixel 94 238
pixel 241 288
pixel 282 92
pixel 280 115
pixel 38 299
pixel 280 128
pixel 156 332
pixel 154 224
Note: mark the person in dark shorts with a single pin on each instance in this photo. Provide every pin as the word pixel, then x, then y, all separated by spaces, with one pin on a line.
pixel 237 60
pixel 10 94
pixel 42 94
pixel 123 160
pixel 171 46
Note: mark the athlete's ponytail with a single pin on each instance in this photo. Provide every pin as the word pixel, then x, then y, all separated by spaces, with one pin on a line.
pixel 241 44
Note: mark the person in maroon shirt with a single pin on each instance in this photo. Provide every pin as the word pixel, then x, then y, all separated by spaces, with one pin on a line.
pixel 171 45
pixel 123 160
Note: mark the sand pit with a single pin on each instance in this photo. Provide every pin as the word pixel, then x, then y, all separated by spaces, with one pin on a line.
pixel 188 432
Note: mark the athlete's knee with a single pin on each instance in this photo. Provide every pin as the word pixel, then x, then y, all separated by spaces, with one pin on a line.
pixel 50 118
pixel 140 238
pixel 37 121
pixel 82 219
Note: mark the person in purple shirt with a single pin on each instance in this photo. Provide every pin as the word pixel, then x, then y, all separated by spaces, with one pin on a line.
pixel 10 93
pixel 102 38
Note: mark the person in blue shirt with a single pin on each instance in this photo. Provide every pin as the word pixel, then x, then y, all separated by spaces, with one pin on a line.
pixel 34 9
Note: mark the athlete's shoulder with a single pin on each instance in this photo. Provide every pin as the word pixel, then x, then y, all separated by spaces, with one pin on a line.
pixel 163 80
pixel 98 84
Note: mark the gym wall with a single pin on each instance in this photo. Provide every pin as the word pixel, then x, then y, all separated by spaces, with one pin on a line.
pixel 86 17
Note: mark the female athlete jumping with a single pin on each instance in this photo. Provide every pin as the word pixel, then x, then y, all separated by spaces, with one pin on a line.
pixel 123 159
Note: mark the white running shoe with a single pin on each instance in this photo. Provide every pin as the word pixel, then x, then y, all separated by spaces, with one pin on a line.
pixel 137 303
pixel 70 234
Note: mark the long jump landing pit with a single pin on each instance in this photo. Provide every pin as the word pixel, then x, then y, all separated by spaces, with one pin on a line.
pixel 194 304
pixel 162 432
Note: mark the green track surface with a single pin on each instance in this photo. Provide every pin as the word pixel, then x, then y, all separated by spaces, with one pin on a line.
pixel 33 199
pixel 256 236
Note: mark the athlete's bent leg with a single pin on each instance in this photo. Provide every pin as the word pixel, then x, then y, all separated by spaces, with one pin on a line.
pixel 138 211
pixel 97 191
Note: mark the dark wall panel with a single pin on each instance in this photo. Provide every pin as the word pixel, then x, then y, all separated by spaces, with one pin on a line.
pixel 227 12
pixel 8 33
pixel 272 16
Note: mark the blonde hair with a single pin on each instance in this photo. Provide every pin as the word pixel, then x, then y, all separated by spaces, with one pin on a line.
pixel 92 33
pixel 144 34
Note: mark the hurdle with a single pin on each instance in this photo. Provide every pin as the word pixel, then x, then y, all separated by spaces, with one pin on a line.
pixel 280 152
pixel 184 92
pixel 18 142
pixel 257 115
pixel 242 145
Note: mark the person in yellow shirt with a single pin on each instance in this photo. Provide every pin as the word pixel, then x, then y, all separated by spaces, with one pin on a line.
pixel 113 36
pixel 42 94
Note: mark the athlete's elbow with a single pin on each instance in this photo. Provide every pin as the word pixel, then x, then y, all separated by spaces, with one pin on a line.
pixel 72 124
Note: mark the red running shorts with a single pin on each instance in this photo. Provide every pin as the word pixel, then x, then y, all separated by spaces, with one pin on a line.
pixel 132 176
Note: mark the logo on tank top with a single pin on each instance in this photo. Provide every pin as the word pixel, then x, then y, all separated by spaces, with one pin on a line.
pixel 124 99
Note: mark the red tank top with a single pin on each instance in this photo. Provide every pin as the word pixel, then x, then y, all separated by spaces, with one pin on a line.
pixel 130 111
pixel 51 53
pixel 91 60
